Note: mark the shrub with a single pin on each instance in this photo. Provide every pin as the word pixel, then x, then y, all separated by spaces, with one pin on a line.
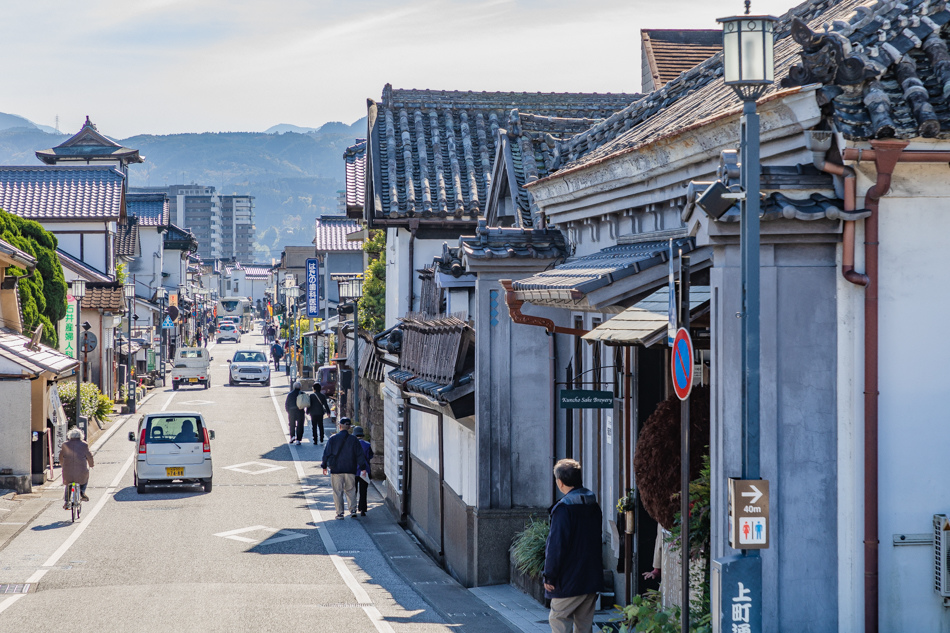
pixel 528 547
pixel 94 403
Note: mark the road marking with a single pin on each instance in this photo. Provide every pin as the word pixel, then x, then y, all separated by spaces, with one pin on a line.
pixel 198 402
pixel 348 578
pixel 167 402
pixel 264 468
pixel 285 535
pixel 80 528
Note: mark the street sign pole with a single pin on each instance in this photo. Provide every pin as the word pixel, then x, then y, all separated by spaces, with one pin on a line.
pixel 684 448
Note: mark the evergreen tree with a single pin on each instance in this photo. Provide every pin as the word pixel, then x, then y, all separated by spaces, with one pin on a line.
pixel 373 301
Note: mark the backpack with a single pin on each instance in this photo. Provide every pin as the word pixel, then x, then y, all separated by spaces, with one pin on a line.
pixel 303 401
pixel 277 351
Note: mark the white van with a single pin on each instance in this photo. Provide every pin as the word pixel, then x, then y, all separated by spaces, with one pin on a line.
pixel 192 366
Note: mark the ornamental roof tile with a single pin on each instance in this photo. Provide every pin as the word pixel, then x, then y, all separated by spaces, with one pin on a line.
pixel 885 68
pixel 430 152
pixel 693 97
pixel 670 53
pixel 511 243
pixel 151 209
pixel 89 144
pixel 355 157
pixel 331 232
pixel 62 193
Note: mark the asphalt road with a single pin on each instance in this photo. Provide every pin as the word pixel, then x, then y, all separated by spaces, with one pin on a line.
pixel 260 552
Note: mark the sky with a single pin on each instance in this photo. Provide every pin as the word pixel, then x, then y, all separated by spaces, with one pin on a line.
pixel 175 66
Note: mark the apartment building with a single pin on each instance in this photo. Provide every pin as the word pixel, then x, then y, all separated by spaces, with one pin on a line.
pixel 223 225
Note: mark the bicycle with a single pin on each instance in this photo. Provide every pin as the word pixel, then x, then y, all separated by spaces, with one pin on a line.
pixel 74 500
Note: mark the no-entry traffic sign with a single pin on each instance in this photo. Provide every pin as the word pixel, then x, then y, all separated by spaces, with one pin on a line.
pixel 681 364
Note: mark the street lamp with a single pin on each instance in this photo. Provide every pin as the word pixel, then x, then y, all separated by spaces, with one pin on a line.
pixel 748 65
pixel 292 292
pixel 130 388
pixel 160 295
pixel 350 287
pixel 79 291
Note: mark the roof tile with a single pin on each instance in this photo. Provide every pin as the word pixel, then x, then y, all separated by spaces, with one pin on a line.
pixel 331 232
pixel 62 193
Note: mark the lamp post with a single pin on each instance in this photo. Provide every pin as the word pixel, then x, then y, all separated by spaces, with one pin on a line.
pixel 79 291
pixel 292 292
pixel 160 295
pixel 130 388
pixel 350 288
pixel 748 65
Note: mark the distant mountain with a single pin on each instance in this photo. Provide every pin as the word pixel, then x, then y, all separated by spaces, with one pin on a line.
pixel 8 121
pixel 287 127
pixel 294 177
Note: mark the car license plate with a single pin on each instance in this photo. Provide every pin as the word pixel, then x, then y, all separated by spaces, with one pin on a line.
pixel 192 380
pixel 174 472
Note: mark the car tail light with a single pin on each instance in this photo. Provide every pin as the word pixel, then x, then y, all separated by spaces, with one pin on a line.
pixel 142 443
pixel 201 377
pixel 207 444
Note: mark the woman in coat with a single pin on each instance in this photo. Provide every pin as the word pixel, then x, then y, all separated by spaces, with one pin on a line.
pixel 76 460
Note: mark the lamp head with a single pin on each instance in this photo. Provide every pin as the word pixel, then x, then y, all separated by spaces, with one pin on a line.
pixel 748 45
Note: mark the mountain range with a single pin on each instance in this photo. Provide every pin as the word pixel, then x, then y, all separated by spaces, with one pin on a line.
pixel 293 172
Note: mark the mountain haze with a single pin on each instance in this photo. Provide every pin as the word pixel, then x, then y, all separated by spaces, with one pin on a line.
pixel 294 177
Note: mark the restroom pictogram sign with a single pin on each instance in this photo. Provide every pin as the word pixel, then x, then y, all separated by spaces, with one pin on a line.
pixel 749 520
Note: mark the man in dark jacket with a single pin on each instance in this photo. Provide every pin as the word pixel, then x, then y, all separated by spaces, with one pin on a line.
pixel 362 485
pixel 344 457
pixel 572 558
pixel 276 352
pixel 319 409
pixel 295 415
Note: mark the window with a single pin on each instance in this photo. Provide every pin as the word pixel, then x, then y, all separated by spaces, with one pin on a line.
pixel 249 357
pixel 173 429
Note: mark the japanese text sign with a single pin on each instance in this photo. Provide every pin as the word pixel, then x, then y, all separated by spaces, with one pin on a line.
pixel 313 288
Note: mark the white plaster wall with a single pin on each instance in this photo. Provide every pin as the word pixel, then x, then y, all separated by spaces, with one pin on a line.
pixel 397 293
pixel 148 267
pixel 914 434
pixel 459 457
pixel 424 438
pixel 15 426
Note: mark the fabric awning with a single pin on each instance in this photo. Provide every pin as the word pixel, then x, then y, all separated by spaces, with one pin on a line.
pixel 610 279
pixel 646 322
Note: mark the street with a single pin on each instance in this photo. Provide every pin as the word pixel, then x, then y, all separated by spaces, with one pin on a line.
pixel 261 552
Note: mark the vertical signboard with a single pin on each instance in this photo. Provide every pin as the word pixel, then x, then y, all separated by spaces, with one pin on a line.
pixel 749 513
pixel 673 324
pixel 68 340
pixel 313 288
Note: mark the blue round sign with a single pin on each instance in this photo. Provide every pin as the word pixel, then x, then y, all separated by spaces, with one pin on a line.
pixel 681 364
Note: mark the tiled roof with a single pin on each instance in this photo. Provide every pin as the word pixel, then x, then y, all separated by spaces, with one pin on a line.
pixel 22 258
pixel 80 268
pixel 646 322
pixel 669 53
pixel 331 232
pixel 105 296
pixel 355 157
pixel 442 392
pixel 62 193
pixel 127 239
pixel 430 152
pixel 88 144
pixel 257 271
pixel 179 238
pixel 578 276
pixel 15 347
pixel 696 95
pixel 151 209
pixel 817 207
pixel 885 68
pixel 510 243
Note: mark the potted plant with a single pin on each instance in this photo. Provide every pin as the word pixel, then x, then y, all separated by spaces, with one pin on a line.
pixel 626 506
pixel 527 558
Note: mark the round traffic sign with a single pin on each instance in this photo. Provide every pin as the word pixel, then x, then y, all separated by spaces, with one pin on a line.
pixel 682 364
pixel 89 342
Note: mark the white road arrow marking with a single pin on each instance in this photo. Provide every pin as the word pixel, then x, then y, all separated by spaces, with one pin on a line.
pixel 756 495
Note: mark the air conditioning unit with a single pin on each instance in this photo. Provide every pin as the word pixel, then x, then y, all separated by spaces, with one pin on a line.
pixel 942 555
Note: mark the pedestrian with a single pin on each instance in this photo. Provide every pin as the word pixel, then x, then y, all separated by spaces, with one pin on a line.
pixel 296 412
pixel 319 409
pixel 344 458
pixel 362 485
pixel 287 356
pixel 76 460
pixel 276 352
pixel 198 337
pixel 573 573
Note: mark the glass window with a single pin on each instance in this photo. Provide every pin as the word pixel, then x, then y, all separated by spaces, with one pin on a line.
pixel 173 429
pixel 249 357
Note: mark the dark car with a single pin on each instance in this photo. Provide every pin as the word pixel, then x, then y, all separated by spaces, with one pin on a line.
pixel 327 378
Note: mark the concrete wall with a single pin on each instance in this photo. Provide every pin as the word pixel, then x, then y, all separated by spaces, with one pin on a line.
pixel 798 415
pixel 15 425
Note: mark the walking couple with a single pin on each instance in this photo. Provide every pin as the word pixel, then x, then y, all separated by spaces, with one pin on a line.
pixel 344 456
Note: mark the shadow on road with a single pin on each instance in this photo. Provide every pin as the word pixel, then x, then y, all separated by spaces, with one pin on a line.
pixel 159 492
pixel 51 526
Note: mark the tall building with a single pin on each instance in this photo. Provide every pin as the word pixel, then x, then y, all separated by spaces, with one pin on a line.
pixel 224 225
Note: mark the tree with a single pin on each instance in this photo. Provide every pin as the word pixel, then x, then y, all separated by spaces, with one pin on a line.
pixel 42 296
pixel 373 301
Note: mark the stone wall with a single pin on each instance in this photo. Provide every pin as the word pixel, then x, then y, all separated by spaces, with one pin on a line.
pixel 371 419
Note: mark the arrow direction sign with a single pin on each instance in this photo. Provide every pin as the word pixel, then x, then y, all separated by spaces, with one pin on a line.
pixel 755 493
pixel 749 520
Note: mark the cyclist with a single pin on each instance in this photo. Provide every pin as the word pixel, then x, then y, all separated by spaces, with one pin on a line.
pixel 76 460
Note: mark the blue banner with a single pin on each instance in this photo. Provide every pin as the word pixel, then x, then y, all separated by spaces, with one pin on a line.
pixel 313 288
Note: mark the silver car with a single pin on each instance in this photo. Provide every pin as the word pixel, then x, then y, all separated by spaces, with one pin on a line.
pixel 249 366
pixel 172 447
pixel 228 332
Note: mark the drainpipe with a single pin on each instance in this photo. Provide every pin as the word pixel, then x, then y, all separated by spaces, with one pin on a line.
pixel 627 445
pixel 413 227
pixel 514 311
pixel 819 142
pixel 552 356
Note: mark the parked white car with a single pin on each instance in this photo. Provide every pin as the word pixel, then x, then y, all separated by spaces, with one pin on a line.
pixel 228 332
pixel 249 366
pixel 172 447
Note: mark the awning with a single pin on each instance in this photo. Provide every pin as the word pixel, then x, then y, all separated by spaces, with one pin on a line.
pixel 611 279
pixel 646 322
pixel 15 350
